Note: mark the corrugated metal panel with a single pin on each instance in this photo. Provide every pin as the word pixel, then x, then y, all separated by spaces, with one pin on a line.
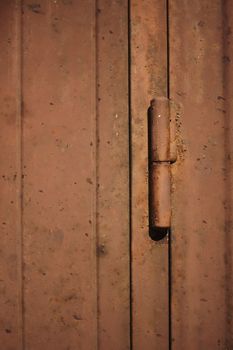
pixel 64 175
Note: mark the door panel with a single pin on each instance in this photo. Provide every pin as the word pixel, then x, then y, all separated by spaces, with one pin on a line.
pixel 150 310
pixel 65 178
pixel 200 61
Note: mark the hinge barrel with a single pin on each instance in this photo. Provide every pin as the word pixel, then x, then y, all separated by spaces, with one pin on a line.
pixel 161 155
pixel 159 124
pixel 160 198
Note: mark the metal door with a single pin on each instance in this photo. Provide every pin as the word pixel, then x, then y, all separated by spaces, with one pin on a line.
pixel 78 268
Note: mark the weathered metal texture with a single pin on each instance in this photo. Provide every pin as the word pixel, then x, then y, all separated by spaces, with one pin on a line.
pixel 149 259
pixel 65 159
pixel 59 179
pixel 10 179
pixel 201 78
pixel 113 176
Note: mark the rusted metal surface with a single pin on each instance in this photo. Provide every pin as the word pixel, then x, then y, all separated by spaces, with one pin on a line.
pixel 149 259
pixel 113 176
pixel 64 172
pixel 64 249
pixel 10 179
pixel 59 167
pixel 201 81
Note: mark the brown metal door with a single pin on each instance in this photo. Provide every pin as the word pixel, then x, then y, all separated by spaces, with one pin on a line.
pixel 78 268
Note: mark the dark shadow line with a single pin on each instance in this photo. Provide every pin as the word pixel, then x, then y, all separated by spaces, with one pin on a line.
pixel 130 180
pixel 226 76
pixel 170 230
pixel 97 170
pixel 19 10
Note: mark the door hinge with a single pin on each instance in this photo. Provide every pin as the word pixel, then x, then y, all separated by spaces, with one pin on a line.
pixel 162 153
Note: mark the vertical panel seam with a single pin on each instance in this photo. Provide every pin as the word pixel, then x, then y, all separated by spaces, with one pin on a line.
pixel 130 182
pixel 97 170
pixel 20 185
pixel 170 231
pixel 226 45
pixel 168 48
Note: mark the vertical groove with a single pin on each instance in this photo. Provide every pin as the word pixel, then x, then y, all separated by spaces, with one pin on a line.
pixel 168 49
pixel 130 180
pixel 170 289
pixel 97 168
pixel 170 231
pixel 20 184
pixel 226 78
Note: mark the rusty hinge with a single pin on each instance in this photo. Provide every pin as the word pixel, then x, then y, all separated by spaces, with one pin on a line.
pixel 162 152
